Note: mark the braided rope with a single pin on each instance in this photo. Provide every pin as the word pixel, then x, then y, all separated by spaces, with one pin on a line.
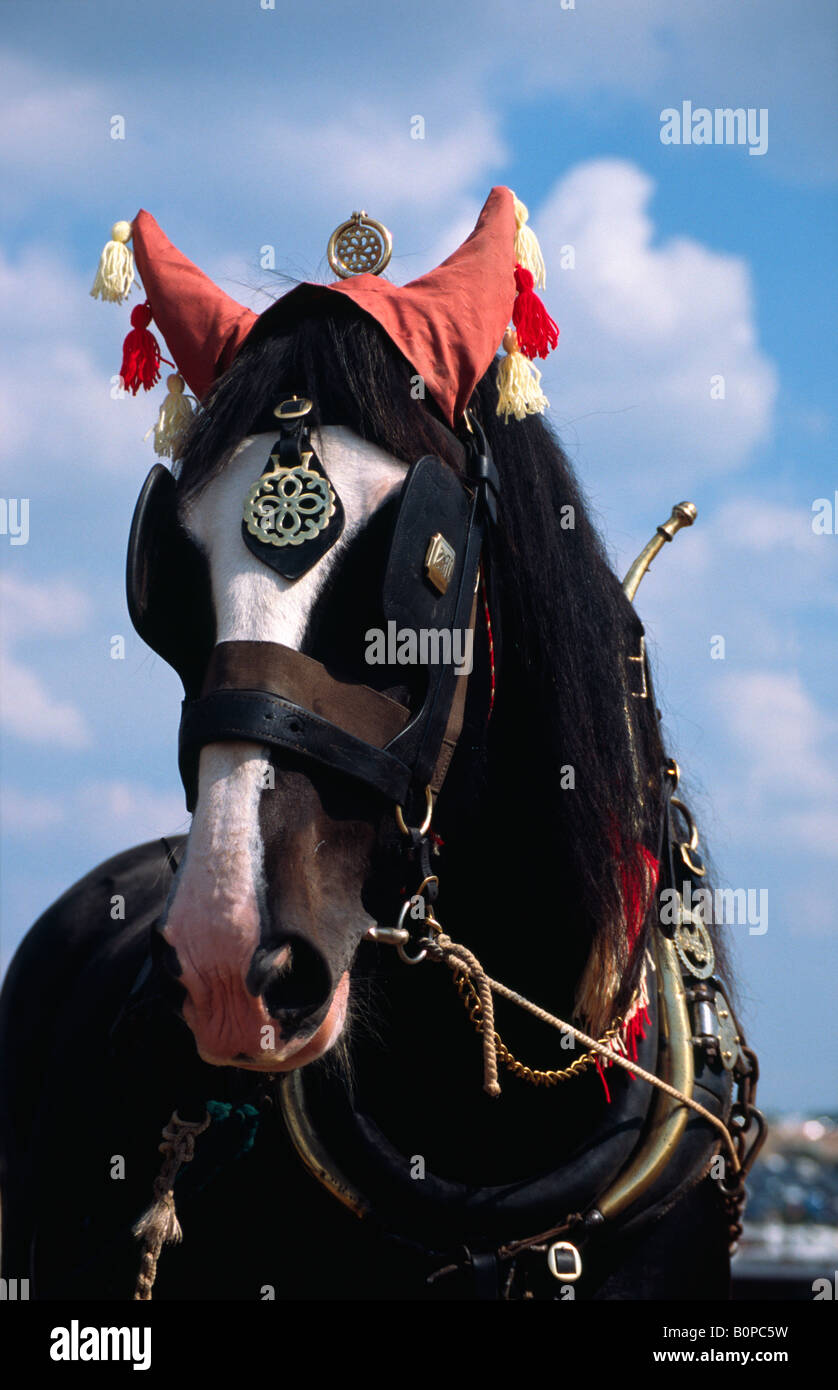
pixel 460 957
pixel 159 1226
pixel 453 954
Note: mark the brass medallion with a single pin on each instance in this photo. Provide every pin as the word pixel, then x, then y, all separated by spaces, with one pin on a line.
pixel 694 945
pixel 439 562
pixel 360 246
pixel 289 506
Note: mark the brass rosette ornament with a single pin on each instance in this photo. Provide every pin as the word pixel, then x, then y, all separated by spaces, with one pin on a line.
pixel 360 246
pixel 291 514
pixel 288 506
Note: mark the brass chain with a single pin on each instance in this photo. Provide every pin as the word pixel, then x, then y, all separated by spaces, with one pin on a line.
pixel 471 999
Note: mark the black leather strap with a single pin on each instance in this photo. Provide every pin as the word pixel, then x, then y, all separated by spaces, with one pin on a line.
pixel 433 497
pixel 666 877
pixel 482 469
pixel 257 717
pixel 420 743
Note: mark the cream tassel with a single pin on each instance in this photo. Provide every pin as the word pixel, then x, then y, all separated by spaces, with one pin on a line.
pixel 176 415
pixel 527 250
pixel 519 383
pixel 115 275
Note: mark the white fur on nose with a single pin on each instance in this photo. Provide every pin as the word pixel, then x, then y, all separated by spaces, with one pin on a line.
pixel 214 918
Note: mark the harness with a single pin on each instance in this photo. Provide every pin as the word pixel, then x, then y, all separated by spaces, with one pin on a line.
pixel 275 696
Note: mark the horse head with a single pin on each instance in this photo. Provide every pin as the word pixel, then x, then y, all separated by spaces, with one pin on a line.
pixel 293 854
pixel 295 750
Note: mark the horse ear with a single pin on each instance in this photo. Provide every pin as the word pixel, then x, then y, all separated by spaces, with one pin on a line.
pixel 203 327
pixel 449 323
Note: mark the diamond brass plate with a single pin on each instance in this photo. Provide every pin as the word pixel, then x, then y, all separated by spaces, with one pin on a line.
pixel 439 562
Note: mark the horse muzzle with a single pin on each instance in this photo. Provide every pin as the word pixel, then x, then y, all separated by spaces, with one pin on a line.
pixel 286 1007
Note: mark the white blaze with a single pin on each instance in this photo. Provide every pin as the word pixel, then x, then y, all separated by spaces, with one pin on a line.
pixel 213 919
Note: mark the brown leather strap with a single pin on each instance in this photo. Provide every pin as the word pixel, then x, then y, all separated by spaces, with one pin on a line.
pixel 357 709
pixel 280 670
pixel 454 727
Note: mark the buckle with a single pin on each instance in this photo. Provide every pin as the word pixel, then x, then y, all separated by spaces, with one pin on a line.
pixel 560 1254
pixel 294 408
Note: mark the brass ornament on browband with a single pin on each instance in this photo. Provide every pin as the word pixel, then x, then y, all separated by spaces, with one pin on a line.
pixel 289 506
pixel 360 246
pixel 289 509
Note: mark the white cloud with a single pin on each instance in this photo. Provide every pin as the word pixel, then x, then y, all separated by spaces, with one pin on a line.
pixel 102 815
pixel 57 607
pixel 780 732
pixel 50 123
pixel 67 347
pixel 121 812
pixel 29 710
pixel 815 830
pixel 644 329
pixel 23 812
pixel 776 790
pixel 387 166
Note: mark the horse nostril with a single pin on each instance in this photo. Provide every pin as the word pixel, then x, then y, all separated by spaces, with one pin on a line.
pixel 294 980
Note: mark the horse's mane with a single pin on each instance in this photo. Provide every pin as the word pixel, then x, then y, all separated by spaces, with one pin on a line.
pixel 564 687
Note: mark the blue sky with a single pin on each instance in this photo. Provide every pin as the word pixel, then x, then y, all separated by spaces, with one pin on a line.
pixel 247 126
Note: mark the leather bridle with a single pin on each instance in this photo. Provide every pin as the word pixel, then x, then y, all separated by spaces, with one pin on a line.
pixel 277 697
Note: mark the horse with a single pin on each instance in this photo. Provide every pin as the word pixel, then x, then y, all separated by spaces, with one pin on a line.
pixel 296 993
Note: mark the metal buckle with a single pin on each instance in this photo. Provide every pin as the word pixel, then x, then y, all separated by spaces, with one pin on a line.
pixel 689 847
pixel 426 823
pixel 564 1247
pixel 292 409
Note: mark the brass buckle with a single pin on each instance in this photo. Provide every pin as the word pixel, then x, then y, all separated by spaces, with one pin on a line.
pixel 292 409
pixel 426 823
pixel 689 847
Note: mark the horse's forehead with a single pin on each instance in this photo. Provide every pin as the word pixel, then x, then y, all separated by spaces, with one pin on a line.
pixel 252 601
pixel 363 474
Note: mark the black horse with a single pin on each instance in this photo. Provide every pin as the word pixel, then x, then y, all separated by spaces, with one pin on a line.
pixel 362 1158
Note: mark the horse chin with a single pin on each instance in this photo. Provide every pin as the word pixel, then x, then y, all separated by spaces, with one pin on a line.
pixel 301 1050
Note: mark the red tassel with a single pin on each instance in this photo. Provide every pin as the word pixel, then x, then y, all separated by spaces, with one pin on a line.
pixel 140 353
pixel 537 332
